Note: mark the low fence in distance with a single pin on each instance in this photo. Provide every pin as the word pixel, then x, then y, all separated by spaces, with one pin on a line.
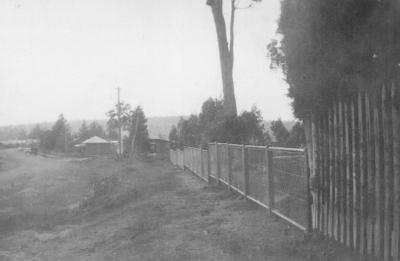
pixel 274 178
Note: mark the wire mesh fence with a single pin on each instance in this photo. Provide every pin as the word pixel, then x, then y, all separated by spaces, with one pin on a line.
pixel 212 148
pixel 176 157
pixel 275 178
pixel 180 158
pixel 236 160
pixel 204 162
pixel 258 178
pixel 223 158
pixel 290 184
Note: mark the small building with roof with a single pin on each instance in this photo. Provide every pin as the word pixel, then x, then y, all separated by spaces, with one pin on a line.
pixel 159 147
pixel 96 146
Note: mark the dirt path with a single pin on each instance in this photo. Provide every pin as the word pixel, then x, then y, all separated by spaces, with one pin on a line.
pixel 101 209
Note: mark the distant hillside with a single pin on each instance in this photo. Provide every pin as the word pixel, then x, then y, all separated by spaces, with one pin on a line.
pixel 288 124
pixel 158 127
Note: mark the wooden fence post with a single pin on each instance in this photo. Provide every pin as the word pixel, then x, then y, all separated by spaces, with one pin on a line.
pixel 369 189
pixel 309 143
pixel 356 173
pixel 314 172
pixel 245 171
pixel 349 172
pixel 331 210
pixel 321 173
pixel 396 169
pixel 309 225
pixel 271 184
pixel 388 173
pixel 379 168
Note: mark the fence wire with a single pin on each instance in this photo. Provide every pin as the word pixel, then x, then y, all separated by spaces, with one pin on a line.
pixel 236 155
pixel 290 184
pixel 213 159
pixel 258 179
pixel 223 158
pixel 180 158
pixel 285 168
pixel 204 164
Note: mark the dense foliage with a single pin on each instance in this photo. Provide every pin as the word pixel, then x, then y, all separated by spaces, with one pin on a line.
pixel 94 129
pixel 332 49
pixel 132 121
pixel 285 138
pixel 137 126
pixel 113 122
pixel 212 125
pixel 57 139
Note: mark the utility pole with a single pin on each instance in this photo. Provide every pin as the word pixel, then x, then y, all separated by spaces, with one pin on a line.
pixel 119 122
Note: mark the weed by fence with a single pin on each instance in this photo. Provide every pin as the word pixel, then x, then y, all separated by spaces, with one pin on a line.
pixel 275 178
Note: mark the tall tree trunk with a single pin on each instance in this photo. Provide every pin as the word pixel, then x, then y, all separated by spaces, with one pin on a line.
pixel 225 55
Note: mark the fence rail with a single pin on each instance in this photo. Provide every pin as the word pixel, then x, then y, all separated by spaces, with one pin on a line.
pixel 275 178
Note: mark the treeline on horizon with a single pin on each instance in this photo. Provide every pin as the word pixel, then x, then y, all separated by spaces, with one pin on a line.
pixel 60 138
pixel 213 125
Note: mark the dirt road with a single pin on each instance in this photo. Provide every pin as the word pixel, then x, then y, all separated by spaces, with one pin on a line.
pixel 100 209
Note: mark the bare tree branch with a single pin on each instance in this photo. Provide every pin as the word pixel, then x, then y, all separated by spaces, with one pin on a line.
pixel 242 7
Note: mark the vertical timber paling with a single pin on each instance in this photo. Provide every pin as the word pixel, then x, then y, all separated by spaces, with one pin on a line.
pixel 319 171
pixel 388 172
pixel 356 173
pixel 379 155
pixel 370 174
pixel 312 161
pixel 363 168
pixel 343 163
pixel 326 172
pixel 338 172
pixel 396 169
pixel 308 191
pixel 349 175
pixel 331 173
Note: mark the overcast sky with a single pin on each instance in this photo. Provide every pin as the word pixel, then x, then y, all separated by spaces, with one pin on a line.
pixel 68 56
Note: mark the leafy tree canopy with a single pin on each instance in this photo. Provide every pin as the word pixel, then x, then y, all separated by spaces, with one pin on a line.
pixel 333 49
pixel 113 124
pixel 138 133
pixel 212 125
pixel 280 132
pixel 58 138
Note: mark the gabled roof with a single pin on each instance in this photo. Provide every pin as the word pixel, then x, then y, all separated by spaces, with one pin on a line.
pixel 95 139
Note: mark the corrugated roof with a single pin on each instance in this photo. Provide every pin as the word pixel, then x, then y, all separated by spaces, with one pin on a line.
pixel 95 139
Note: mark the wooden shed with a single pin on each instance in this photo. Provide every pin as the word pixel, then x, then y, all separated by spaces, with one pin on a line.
pixel 160 147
